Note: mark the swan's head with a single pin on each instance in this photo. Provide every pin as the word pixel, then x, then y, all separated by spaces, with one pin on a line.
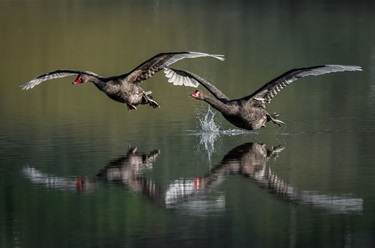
pixel 82 78
pixel 198 95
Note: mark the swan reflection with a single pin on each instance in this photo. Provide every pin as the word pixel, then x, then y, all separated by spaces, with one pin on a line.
pixel 195 195
pixel 124 169
pixel 250 160
pixel 128 170
pixel 129 167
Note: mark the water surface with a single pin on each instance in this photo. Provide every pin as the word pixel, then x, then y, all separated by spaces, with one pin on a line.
pixel 79 170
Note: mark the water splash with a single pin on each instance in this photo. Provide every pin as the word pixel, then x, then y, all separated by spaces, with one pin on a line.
pixel 209 132
pixel 208 124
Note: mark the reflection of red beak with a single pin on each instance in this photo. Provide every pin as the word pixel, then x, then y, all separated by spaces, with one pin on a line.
pixel 195 94
pixel 196 183
pixel 79 184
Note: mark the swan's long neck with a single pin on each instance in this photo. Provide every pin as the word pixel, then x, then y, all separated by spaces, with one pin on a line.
pixel 218 105
pixel 97 81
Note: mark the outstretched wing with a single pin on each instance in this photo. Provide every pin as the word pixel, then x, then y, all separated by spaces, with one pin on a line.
pixel 182 77
pixel 270 90
pixel 52 75
pixel 162 60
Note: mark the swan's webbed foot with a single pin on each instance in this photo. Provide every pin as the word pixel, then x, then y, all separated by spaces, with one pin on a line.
pixel 153 104
pixel 278 122
pixel 131 107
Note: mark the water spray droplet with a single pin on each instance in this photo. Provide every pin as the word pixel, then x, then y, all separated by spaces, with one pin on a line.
pixel 208 124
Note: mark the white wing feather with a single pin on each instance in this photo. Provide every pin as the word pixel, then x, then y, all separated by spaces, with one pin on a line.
pixel 191 55
pixel 177 79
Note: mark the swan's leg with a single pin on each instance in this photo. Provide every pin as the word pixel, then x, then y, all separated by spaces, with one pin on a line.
pixel 273 118
pixel 147 96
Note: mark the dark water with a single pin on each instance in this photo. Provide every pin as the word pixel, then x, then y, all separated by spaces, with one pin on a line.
pixel 68 178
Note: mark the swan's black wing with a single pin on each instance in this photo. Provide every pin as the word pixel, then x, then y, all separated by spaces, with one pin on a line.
pixel 160 61
pixel 182 77
pixel 52 75
pixel 270 90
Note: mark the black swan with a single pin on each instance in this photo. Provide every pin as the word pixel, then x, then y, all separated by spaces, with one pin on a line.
pixel 125 88
pixel 250 112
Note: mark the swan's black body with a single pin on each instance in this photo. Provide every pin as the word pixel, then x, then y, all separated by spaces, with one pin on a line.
pixel 249 112
pixel 124 88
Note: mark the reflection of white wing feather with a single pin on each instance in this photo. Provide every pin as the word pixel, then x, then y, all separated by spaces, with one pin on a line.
pixel 177 79
pixel 51 182
pixel 335 203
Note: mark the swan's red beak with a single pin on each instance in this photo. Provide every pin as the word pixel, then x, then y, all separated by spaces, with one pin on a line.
pixel 78 80
pixel 195 94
